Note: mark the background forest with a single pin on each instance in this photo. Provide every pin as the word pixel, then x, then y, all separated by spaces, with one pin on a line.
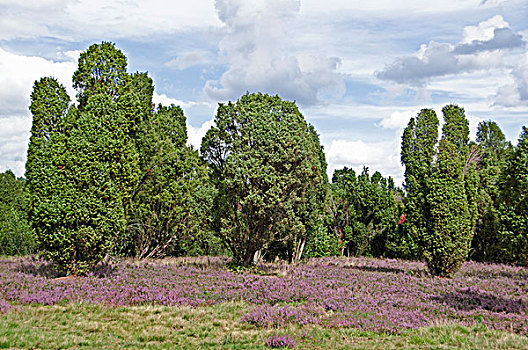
pixel 112 175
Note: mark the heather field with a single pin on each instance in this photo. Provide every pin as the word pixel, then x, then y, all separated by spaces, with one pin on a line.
pixel 322 303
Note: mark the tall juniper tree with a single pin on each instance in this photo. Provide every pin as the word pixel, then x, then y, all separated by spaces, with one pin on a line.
pixel 108 161
pixel 441 185
pixel 172 200
pixel 417 155
pixel 82 161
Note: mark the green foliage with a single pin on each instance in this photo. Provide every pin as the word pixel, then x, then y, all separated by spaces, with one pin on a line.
pixel 83 165
pixel 49 209
pixel 16 235
pixel 269 173
pixel 172 201
pixel 112 174
pixel 322 241
pixel 101 70
pixel 365 212
pixel 441 188
pixel 417 154
pixel 494 151
pixel 514 203
pixel 446 246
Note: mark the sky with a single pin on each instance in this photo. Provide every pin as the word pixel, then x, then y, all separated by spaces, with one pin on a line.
pixel 358 70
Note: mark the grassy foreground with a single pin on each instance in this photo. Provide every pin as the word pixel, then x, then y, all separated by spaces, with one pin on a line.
pixel 91 326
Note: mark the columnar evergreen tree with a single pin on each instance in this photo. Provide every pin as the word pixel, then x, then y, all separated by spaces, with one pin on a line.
pixel 267 168
pixel 83 164
pixel 109 161
pixel 446 246
pixel 494 150
pixel 441 190
pixel 514 203
pixel 50 204
pixel 417 155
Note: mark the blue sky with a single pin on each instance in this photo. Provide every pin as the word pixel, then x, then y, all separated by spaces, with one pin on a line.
pixel 358 70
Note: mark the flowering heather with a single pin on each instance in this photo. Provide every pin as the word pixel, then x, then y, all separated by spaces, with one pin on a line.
pixel 385 296
pixel 280 341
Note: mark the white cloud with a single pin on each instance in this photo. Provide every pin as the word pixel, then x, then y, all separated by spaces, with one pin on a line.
pixel 17 75
pixel 484 31
pixel 490 46
pixel 167 101
pixel 434 59
pixel 502 39
pixel 390 6
pixel 189 59
pixel 195 135
pixel 377 156
pixel 257 47
pixel 516 93
pixel 14 138
pixel 77 19
pixel 398 120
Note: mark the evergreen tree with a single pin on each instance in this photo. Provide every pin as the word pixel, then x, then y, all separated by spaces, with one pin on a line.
pixel 108 164
pixel 494 150
pixel 514 203
pixel 49 202
pixel 16 235
pixel 441 189
pixel 172 201
pixel 366 212
pixel 267 170
pixel 83 168
pixel 417 155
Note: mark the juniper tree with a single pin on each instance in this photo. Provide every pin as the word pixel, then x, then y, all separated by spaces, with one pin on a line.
pixel 268 169
pixel 365 212
pixel 417 155
pixel 83 163
pixel 513 208
pixel 441 188
pixel 172 200
pixel 16 235
pixel 494 151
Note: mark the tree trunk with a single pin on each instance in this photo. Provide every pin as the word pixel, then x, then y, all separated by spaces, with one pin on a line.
pixel 248 258
pixel 298 252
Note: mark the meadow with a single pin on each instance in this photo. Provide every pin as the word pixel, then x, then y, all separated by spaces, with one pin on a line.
pixel 207 303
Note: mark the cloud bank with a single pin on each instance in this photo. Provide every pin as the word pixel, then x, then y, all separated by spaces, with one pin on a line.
pixel 256 47
pixel 491 45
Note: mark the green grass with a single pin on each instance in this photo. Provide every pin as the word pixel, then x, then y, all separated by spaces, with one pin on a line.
pixel 156 327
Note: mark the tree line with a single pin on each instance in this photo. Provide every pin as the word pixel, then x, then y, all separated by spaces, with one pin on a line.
pixel 112 175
